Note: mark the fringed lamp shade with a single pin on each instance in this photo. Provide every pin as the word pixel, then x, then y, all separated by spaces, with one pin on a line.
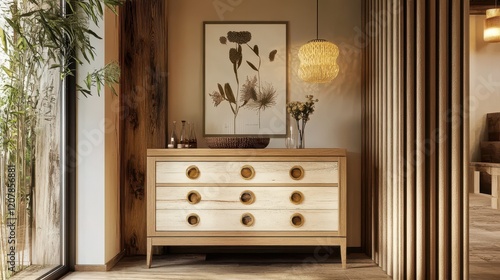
pixel 318 61
pixel 492 25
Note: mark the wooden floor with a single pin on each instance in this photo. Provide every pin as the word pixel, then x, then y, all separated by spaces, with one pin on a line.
pixel 239 267
pixel 484 238
pixel 484 260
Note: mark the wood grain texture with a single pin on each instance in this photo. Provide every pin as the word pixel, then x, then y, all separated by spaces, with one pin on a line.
pixel 315 154
pixel 112 143
pixel 170 198
pixel 230 220
pixel 46 196
pixel 325 265
pixel 143 101
pixel 217 218
pixel 415 145
pixel 230 172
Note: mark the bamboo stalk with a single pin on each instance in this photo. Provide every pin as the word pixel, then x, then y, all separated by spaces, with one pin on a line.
pixel 3 270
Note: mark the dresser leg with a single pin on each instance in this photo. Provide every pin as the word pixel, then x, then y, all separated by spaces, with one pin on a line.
pixel 149 252
pixel 343 254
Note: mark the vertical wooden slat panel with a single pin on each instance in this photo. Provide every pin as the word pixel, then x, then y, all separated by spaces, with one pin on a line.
pixel 410 141
pixel 373 213
pixel 373 143
pixel 443 162
pixel 364 137
pixel 369 93
pixel 396 79
pixel 420 116
pixel 377 82
pixel 456 150
pixel 396 141
pixel 380 151
pixel 383 150
pixel 401 45
pixel 465 137
pixel 431 145
pixel 144 105
pixel 390 140
pixel 417 128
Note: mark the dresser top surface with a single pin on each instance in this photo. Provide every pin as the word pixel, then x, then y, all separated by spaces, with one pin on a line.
pixel 314 152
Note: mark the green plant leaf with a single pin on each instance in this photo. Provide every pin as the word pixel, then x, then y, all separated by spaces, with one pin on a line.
pixel 94 34
pixel 229 93
pixel 88 81
pixel 28 14
pixel 3 38
pixel 253 66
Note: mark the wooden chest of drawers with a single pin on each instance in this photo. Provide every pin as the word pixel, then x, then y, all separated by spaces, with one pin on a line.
pixel 253 197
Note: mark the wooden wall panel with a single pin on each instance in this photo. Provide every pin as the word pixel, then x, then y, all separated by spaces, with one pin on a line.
pixel 415 155
pixel 143 100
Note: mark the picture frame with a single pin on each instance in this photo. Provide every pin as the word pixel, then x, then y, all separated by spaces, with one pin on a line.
pixel 245 79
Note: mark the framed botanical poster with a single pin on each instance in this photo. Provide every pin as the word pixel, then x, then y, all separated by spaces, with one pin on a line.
pixel 245 78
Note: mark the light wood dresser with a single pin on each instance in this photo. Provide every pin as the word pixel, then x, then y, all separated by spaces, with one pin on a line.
pixel 246 197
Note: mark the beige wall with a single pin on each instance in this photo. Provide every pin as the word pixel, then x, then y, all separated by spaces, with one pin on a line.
pixel 337 119
pixel 484 84
pixel 98 182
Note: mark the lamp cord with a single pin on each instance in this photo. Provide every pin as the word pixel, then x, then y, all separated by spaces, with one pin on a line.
pixel 317 18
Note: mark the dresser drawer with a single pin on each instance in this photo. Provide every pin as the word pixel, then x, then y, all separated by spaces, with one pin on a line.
pixel 170 198
pixel 246 172
pixel 255 220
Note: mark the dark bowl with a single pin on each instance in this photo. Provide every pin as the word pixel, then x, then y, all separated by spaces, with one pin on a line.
pixel 237 142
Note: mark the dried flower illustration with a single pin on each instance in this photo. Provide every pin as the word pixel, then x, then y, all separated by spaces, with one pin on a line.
pixel 251 93
pixel 239 37
pixel 216 98
pixel 272 54
pixel 267 98
pixel 248 91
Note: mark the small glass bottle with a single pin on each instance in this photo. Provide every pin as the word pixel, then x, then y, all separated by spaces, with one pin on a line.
pixel 172 142
pixel 183 142
pixel 193 143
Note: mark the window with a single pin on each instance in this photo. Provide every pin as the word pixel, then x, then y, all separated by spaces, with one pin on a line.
pixel 33 161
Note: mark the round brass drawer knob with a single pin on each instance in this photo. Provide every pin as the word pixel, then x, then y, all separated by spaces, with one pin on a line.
pixel 297 220
pixel 193 219
pixel 247 172
pixel 297 172
pixel 192 172
pixel 247 220
pixel 247 197
pixel 297 197
pixel 193 197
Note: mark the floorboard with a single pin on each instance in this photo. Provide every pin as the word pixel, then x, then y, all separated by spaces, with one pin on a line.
pixel 484 238
pixel 234 266
pixel 484 260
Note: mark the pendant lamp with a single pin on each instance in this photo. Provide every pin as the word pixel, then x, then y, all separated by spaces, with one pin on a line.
pixel 492 25
pixel 318 59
